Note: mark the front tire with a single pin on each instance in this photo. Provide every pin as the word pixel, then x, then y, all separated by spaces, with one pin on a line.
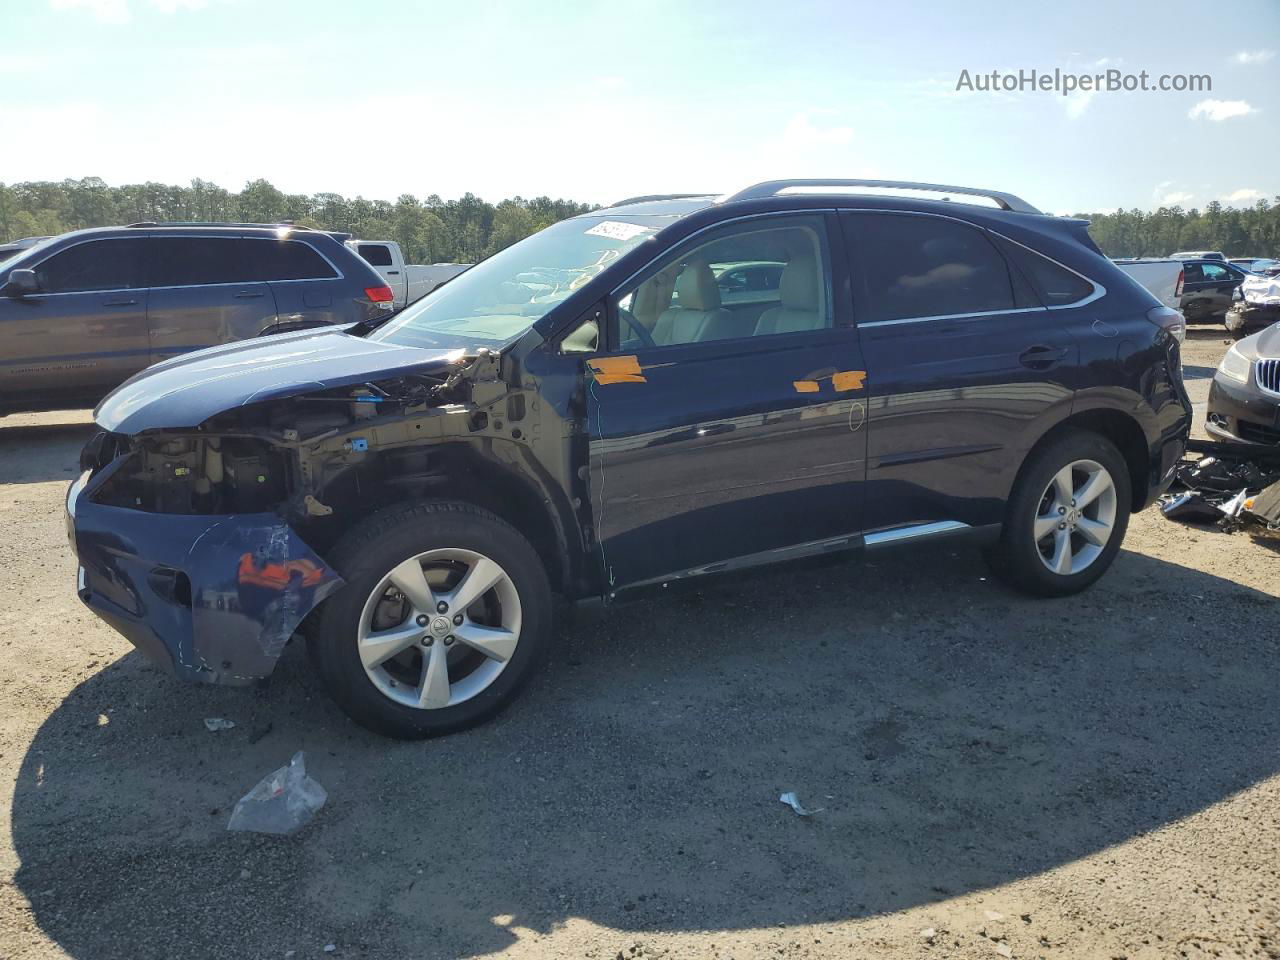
pixel 1066 517
pixel 445 615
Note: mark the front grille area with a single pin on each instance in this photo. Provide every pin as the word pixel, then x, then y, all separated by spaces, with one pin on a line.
pixel 1268 374
pixel 1256 432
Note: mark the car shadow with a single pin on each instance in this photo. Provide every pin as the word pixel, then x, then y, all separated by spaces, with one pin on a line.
pixel 1195 372
pixel 35 453
pixel 1202 330
pixel 957 737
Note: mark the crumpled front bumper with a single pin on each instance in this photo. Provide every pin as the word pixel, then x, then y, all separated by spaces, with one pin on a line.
pixel 213 599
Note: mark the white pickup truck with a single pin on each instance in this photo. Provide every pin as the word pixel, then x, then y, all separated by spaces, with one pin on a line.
pixel 1163 278
pixel 408 281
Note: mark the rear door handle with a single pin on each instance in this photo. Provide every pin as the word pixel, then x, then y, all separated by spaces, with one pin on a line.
pixel 393 273
pixel 247 295
pixel 1042 357
pixel 119 303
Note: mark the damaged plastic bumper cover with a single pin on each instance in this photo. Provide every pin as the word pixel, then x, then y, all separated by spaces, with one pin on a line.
pixel 214 599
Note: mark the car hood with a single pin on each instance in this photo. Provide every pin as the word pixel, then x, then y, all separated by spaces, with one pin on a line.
pixel 187 390
pixel 1266 343
pixel 1261 290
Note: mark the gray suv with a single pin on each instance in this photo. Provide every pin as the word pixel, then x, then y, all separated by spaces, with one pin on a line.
pixel 83 312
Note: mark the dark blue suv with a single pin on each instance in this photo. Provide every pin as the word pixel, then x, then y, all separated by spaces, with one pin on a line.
pixel 588 413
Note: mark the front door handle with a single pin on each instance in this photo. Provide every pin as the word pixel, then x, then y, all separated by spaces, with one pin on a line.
pixel 393 273
pixel 1042 357
pixel 119 303
pixel 247 295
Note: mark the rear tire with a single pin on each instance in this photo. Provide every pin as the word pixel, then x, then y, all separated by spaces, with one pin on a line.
pixel 390 650
pixel 1066 518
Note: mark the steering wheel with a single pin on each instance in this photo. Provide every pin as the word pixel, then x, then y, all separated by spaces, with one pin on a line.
pixel 637 327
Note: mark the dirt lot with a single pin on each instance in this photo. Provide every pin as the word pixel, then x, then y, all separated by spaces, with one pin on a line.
pixel 1092 777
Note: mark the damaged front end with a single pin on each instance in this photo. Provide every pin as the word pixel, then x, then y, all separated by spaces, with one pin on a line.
pixel 204 544
pixel 1255 306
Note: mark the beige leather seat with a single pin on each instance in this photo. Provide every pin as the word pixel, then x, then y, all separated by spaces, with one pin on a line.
pixel 699 315
pixel 801 300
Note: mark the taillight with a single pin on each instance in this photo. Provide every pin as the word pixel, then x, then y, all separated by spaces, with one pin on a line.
pixel 1177 287
pixel 1170 320
pixel 379 294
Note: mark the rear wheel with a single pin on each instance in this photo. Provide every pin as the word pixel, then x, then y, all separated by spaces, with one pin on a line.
pixel 445 615
pixel 1067 516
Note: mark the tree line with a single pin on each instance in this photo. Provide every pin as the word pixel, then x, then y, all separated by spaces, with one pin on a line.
pixel 429 231
pixel 1238 232
pixel 468 229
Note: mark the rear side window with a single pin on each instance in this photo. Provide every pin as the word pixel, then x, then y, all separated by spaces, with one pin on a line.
pixel 378 254
pixel 1056 284
pixel 193 261
pixel 288 260
pixel 94 265
pixel 920 266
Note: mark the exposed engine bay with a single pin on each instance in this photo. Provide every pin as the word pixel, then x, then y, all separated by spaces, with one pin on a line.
pixel 305 456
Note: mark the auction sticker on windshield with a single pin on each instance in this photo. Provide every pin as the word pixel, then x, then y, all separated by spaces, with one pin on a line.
pixel 617 230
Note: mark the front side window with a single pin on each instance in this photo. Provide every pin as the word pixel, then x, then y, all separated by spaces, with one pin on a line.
pixel 93 265
pixel 921 266
pixel 500 298
pixel 758 278
pixel 1215 273
pixel 194 261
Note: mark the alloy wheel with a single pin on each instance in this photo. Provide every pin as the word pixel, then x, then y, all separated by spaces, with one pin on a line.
pixel 439 628
pixel 1076 518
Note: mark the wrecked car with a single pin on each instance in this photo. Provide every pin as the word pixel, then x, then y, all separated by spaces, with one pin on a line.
pixel 585 414
pixel 1255 305
pixel 1244 398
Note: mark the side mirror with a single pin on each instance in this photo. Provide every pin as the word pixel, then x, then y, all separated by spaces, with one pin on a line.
pixel 21 282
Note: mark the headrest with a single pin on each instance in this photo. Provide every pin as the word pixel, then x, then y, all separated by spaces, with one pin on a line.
pixel 798 287
pixel 696 287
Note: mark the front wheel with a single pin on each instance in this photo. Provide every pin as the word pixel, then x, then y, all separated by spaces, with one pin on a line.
pixel 1066 517
pixel 445 614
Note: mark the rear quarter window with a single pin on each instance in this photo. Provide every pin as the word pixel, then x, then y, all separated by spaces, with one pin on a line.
pixel 1056 285
pixel 288 260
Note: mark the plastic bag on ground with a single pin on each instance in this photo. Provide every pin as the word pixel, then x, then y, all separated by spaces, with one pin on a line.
pixel 284 801
pixel 792 801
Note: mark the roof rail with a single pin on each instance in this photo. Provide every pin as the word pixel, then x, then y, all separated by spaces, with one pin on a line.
pixel 648 197
pixel 214 223
pixel 771 188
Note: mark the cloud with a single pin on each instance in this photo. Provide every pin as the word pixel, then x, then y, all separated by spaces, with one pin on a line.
pixel 119 11
pixel 104 11
pixel 1219 110
pixel 1077 102
pixel 1253 56
pixel 1177 198
pixel 1243 195
pixel 802 134
pixel 25 62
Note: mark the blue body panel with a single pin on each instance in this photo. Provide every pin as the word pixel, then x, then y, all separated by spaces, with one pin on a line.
pixel 249 582
pixel 187 390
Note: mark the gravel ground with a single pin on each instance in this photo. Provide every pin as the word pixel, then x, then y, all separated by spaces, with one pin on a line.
pixel 998 776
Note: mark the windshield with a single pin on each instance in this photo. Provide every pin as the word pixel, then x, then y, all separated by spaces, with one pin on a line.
pixel 11 251
pixel 500 298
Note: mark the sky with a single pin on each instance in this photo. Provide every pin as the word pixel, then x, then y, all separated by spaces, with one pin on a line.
pixel 599 101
